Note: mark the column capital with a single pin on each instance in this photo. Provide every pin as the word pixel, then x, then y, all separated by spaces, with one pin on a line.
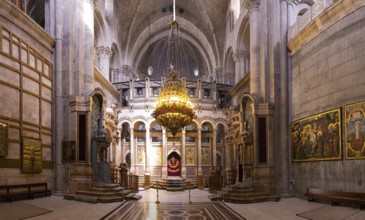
pixel 93 2
pixel 104 52
pixel 289 2
pixel 252 5
pixel 239 55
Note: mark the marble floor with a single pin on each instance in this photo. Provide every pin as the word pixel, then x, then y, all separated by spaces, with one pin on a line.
pixel 69 210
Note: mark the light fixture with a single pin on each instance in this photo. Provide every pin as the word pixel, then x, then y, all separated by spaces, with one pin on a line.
pixel 173 110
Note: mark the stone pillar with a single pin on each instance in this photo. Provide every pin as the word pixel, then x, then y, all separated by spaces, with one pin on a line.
pixel 200 171
pixel 284 122
pixel 58 125
pixel 183 153
pixel 214 146
pixel 104 54
pixel 148 150
pixel 133 153
pixel 239 70
pixel 164 154
pixel 88 46
pixel 219 78
pixel 254 8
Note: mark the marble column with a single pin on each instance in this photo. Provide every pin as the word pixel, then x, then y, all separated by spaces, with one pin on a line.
pixel 133 153
pixel 200 171
pixel 148 150
pixel 284 122
pixel 254 8
pixel 214 146
pixel 58 125
pixel 183 162
pixel 104 54
pixel 164 154
pixel 88 46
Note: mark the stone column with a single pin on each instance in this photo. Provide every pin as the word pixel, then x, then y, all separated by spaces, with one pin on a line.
pixel 284 122
pixel 104 54
pixel 183 153
pixel 254 8
pixel 133 153
pixel 148 150
pixel 58 125
pixel 200 171
pixel 164 154
pixel 88 46
pixel 239 70
pixel 214 142
pixel 219 78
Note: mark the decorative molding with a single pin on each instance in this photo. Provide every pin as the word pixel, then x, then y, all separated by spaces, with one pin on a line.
pixel 336 12
pixel 253 5
pixel 239 55
pixel 104 51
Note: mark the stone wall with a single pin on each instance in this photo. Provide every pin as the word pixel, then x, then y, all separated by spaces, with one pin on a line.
pixel 25 96
pixel 328 72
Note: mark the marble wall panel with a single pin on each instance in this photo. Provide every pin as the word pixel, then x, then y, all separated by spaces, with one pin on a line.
pixel 9 102
pixel 30 108
pixel 46 114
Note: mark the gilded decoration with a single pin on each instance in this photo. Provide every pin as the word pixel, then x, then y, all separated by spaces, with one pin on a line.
pixel 190 155
pixel 355 130
pixel 31 155
pixel 317 137
pixel 205 155
pixel 3 139
pixel 140 155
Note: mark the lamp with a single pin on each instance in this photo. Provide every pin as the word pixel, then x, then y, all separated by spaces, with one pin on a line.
pixel 173 110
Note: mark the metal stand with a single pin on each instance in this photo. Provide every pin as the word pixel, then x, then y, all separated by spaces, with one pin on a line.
pixel 190 202
pixel 157 202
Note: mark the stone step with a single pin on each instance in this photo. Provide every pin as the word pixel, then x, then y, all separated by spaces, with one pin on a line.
pixel 133 196
pixel 243 200
pixel 100 194
pixel 106 185
pixel 111 199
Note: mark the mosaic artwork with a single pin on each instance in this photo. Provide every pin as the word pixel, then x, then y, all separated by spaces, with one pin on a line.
pixel 140 155
pixel 355 130
pixel 202 210
pixel 317 137
pixel 31 155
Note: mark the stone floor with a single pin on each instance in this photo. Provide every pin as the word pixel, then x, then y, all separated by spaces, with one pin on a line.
pixel 69 210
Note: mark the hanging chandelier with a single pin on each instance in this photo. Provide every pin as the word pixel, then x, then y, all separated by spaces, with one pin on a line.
pixel 173 110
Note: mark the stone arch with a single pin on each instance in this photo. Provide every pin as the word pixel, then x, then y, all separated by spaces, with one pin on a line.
pixel 189 32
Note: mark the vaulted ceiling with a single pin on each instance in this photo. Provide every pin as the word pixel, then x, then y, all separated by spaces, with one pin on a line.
pixel 143 25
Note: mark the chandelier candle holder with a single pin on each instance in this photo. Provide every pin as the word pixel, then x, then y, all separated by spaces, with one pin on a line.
pixel 173 110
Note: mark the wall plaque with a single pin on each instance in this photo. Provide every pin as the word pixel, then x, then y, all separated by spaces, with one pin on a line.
pixel 3 139
pixel 31 155
pixel 68 151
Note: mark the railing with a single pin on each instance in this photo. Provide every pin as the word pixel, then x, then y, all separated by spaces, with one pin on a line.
pixel 303 19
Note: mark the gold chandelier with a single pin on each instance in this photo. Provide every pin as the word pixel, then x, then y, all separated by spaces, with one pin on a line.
pixel 173 110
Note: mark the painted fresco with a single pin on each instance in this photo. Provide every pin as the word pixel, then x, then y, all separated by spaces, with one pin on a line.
pixel 317 137
pixel 68 151
pixel 205 155
pixel 355 130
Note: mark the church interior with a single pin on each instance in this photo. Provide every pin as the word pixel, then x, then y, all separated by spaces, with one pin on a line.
pixel 246 101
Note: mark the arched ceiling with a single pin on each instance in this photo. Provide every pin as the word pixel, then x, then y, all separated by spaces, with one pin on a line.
pixel 203 27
